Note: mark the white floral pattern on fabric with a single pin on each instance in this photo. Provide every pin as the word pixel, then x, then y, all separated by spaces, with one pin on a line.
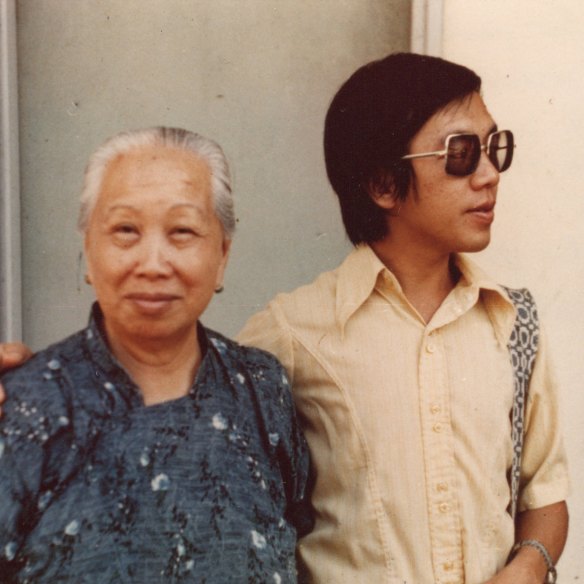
pixel 99 488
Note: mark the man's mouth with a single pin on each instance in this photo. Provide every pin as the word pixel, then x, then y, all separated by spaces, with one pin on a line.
pixel 484 212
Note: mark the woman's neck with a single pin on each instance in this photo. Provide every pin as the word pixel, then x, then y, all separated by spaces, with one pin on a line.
pixel 163 369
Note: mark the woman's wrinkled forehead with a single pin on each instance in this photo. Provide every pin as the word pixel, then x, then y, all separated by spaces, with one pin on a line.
pixel 145 176
pixel 157 165
pixel 158 168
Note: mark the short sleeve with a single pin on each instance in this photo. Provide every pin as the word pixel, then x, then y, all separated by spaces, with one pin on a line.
pixel 544 472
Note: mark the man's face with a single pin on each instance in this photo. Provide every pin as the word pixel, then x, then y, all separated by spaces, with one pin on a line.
pixel 444 213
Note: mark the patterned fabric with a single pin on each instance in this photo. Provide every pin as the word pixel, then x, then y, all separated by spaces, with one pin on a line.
pixel 96 487
pixel 523 350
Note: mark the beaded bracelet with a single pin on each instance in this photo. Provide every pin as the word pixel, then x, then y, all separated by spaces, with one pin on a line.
pixel 552 575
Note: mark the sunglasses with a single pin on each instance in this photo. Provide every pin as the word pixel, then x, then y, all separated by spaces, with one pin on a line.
pixel 463 152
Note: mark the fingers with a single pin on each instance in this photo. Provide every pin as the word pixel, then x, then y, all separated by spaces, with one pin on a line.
pixel 13 354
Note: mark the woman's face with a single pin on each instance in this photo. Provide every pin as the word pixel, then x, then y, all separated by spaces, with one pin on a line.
pixel 155 248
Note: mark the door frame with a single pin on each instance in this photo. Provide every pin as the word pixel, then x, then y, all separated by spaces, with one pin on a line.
pixel 10 240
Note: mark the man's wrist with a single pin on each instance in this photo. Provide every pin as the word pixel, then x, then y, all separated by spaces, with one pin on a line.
pixel 534 557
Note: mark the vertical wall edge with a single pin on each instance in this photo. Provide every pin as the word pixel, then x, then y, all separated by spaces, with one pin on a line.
pixel 10 240
pixel 427 27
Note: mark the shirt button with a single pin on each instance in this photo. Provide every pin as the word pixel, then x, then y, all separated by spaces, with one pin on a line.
pixel 430 347
pixel 442 487
pixel 444 507
pixel 435 409
pixel 437 428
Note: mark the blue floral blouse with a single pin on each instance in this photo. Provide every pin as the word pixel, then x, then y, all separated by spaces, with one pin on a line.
pixel 96 487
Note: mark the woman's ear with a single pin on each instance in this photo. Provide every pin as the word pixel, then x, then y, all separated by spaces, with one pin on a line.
pixel 226 247
pixel 87 255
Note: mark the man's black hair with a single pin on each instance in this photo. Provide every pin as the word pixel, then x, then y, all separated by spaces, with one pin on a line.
pixel 370 123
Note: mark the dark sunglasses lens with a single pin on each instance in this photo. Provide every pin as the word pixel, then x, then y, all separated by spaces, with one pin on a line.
pixel 501 150
pixel 462 154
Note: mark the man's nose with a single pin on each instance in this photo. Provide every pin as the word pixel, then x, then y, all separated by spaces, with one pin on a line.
pixel 486 173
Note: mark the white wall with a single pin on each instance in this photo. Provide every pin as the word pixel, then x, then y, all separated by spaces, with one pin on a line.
pixel 531 58
pixel 257 75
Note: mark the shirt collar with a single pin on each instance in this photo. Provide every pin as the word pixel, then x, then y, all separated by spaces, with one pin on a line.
pixel 359 274
pixel 357 279
pixel 476 283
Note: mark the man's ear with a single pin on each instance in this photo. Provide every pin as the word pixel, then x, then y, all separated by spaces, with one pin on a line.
pixel 383 192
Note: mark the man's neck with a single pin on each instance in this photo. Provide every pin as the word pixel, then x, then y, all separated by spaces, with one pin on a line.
pixel 426 277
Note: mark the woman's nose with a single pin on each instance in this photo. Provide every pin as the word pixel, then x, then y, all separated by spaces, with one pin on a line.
pixel 154 260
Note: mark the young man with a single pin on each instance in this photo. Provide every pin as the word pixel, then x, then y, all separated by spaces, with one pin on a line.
pixel 399 357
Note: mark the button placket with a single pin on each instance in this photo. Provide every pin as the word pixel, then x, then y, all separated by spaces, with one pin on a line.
pixel 444 520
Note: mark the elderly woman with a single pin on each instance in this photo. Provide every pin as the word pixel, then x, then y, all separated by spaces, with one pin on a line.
pixel 147 448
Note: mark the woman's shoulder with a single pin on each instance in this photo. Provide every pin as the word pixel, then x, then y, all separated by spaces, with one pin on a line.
pixel 255 369
pixel 41 387
pixel 243 355
pixel 44 365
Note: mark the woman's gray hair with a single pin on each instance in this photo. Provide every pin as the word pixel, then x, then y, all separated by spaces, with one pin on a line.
pixel 124 142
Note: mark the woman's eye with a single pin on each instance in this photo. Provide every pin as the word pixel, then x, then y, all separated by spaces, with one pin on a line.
pixel 183 232
pixel 125 232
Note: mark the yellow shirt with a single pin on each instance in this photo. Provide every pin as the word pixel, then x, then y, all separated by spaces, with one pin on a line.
pixel 408 424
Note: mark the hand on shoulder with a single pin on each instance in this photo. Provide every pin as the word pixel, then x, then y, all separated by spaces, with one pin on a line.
pixel 12 355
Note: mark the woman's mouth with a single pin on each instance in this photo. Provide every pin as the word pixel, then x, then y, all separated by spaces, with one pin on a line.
pixel 151 303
